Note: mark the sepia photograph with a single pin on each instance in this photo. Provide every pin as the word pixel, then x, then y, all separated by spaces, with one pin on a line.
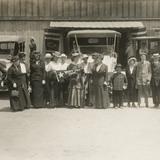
pixel 79 79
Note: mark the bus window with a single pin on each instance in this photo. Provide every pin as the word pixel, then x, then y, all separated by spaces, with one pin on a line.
pixel 16 49
pixel 6 49
pixel 52 44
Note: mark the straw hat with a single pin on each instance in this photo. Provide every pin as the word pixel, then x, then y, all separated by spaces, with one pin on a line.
pixel 155 55
pixel 56 54
pixel 47 56
pixel 75 54
pixel 84 56
pixel 63 55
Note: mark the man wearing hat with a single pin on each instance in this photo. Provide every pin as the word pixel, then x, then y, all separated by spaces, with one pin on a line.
pixel 53 68
pixel 64 63
pixel 63 80
pixel 131 78
pixel 47 59
pixel 143 78
pixel 22 57
pixel 119 83
pixel 155 79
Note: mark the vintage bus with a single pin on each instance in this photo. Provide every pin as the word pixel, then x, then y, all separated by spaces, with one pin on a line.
pixel 85 41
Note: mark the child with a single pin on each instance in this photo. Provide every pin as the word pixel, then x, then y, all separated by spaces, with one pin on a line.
pixel 119 83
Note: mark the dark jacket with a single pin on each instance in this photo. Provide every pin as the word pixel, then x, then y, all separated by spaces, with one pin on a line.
pixel 131 77
pixel 37 71
pixel 101 76
pixel 155 79
pixel 118 81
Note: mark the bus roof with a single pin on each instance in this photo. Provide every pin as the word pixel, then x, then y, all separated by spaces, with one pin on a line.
pixel 146 38
pixel 11 38
pixel 93 33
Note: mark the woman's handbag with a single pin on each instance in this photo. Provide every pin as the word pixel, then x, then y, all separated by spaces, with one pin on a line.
pixel 14 93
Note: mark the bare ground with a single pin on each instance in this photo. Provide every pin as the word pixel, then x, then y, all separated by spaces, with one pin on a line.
pixel 79 134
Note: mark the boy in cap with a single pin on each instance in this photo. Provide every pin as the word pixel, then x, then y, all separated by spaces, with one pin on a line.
pixel 143 78
pixel 119 83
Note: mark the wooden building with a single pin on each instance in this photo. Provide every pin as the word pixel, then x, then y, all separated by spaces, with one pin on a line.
pixel 31 17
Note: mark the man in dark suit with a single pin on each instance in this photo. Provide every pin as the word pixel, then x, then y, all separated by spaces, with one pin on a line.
pixel 155 79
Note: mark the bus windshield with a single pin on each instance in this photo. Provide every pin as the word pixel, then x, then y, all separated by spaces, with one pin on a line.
pixel 90 45
pixel 7 48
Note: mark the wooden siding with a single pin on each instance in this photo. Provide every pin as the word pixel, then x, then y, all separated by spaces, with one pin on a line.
pixel 79 9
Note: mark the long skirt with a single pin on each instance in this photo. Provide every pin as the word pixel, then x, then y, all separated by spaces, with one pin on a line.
pixel 22 101
pixel 37 95
pixel 132 92
pixel 75 97
pixel 91 96
pixel 101 97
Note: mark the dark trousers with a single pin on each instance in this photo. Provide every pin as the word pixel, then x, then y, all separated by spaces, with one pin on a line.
pixel 117 98
pixel 156 93
pixel 63 93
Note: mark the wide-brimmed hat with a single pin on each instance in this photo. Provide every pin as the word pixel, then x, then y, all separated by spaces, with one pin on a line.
pixel 63 55
pixel 56 54
pixel 95 54
pixel 48 56
pixel 22 54
pixel 14 58
pixel 132 58
pixel 155 55
pixel 75 54
pixel 118 66
pixel 84 56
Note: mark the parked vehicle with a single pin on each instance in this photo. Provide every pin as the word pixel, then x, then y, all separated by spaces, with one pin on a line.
pixel 9 45
pixel 149 43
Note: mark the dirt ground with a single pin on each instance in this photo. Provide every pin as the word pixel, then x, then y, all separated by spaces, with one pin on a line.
pixel 79 134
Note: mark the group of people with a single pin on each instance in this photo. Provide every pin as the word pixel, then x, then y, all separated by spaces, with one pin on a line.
pixel 56 81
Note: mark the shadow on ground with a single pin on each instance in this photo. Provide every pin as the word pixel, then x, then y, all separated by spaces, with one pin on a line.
pixel 5 109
